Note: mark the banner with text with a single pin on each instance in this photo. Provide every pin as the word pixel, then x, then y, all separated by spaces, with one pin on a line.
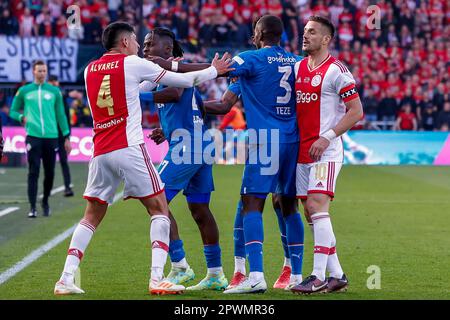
pixel 17 56
pixel 361 147
pixel 81 139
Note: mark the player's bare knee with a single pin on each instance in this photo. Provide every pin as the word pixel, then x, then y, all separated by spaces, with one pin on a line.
pixel 200 212
pixel 156 205
pixel 95 212
pixel 306 212
pixel 288 205
pixel 317 203
pixel 252 203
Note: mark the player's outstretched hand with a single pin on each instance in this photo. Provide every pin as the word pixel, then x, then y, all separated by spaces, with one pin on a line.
pixel 223 64
pixel 318 148
pixel 157 136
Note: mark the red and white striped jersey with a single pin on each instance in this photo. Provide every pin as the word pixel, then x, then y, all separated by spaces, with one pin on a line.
pixel 320 94
pixel 112 87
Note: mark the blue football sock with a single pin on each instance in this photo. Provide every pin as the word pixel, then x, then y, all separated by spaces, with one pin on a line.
pixel 239 240
pixel 212 255
pixel 254 238
pixel 295 238
pixel 282 226
pixel 176 251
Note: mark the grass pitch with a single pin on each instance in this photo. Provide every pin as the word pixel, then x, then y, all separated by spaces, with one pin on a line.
pixel 391 218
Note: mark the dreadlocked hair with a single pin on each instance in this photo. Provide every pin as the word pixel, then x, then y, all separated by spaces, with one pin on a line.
pixel 177 50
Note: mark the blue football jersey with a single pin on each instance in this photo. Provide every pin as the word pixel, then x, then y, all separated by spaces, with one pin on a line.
pixel 235 87
pixel 185 114
pixel 267 83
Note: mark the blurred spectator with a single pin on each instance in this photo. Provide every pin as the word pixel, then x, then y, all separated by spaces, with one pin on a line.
pixel 429 118
pixel 439 96
pixel 241 32
pixel 27 24
pixel 246 12
pixel 8 24
pixel 388 108
pixel 406 120
pixel 222 32
pixel 370 105
pixel 206 32
pixel 229 8
pixel 444 117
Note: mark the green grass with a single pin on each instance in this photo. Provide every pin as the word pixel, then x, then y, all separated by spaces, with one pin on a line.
pixel 393 217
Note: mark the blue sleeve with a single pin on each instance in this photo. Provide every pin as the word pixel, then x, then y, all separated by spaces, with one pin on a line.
pixel 298 58
pixel 146 96
pixel 243 64
pixel 235 87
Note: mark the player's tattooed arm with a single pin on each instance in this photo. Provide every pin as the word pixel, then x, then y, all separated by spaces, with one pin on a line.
pixel 223 106
pixel 168 95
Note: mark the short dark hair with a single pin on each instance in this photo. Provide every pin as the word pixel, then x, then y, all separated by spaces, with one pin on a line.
pixel 325 22
pixel 177 50
pixel 272 27
pixel 38 63
pixel 112 32
pixel 52 77
pixel 255 21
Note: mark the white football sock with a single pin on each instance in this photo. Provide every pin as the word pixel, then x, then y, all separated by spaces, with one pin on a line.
pixel 80 240
pixel 333 265
pixel 215 270
pixel 181 264
pixel 159 237
pixel 322 242
pixel 296 278
pixel 287 262
pixel 239 265
pixel 256 276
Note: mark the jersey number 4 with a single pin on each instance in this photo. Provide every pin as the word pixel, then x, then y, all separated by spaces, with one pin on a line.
pixel 286 71
pixel 104 98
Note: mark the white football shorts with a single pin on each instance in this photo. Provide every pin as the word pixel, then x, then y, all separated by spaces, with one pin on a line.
pixel 317 177
pixel 132 165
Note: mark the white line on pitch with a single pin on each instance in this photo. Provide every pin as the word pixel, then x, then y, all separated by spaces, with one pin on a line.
pixel 8 210
pixel 54 191
pixel 39 252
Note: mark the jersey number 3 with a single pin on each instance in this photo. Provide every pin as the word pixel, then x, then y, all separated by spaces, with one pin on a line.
pixel 104 98
pixel 286 71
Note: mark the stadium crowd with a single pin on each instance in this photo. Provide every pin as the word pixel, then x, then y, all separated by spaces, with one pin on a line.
pixel 402 67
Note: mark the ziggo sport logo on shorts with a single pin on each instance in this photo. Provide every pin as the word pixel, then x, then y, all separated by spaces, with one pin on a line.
pixel 303 97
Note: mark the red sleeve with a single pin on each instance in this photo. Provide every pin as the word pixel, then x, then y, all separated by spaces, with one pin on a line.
pixel 227 119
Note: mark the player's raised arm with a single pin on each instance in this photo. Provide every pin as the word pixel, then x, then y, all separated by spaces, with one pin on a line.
pixel 152 72
pixel 228 100
pixel 176 66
